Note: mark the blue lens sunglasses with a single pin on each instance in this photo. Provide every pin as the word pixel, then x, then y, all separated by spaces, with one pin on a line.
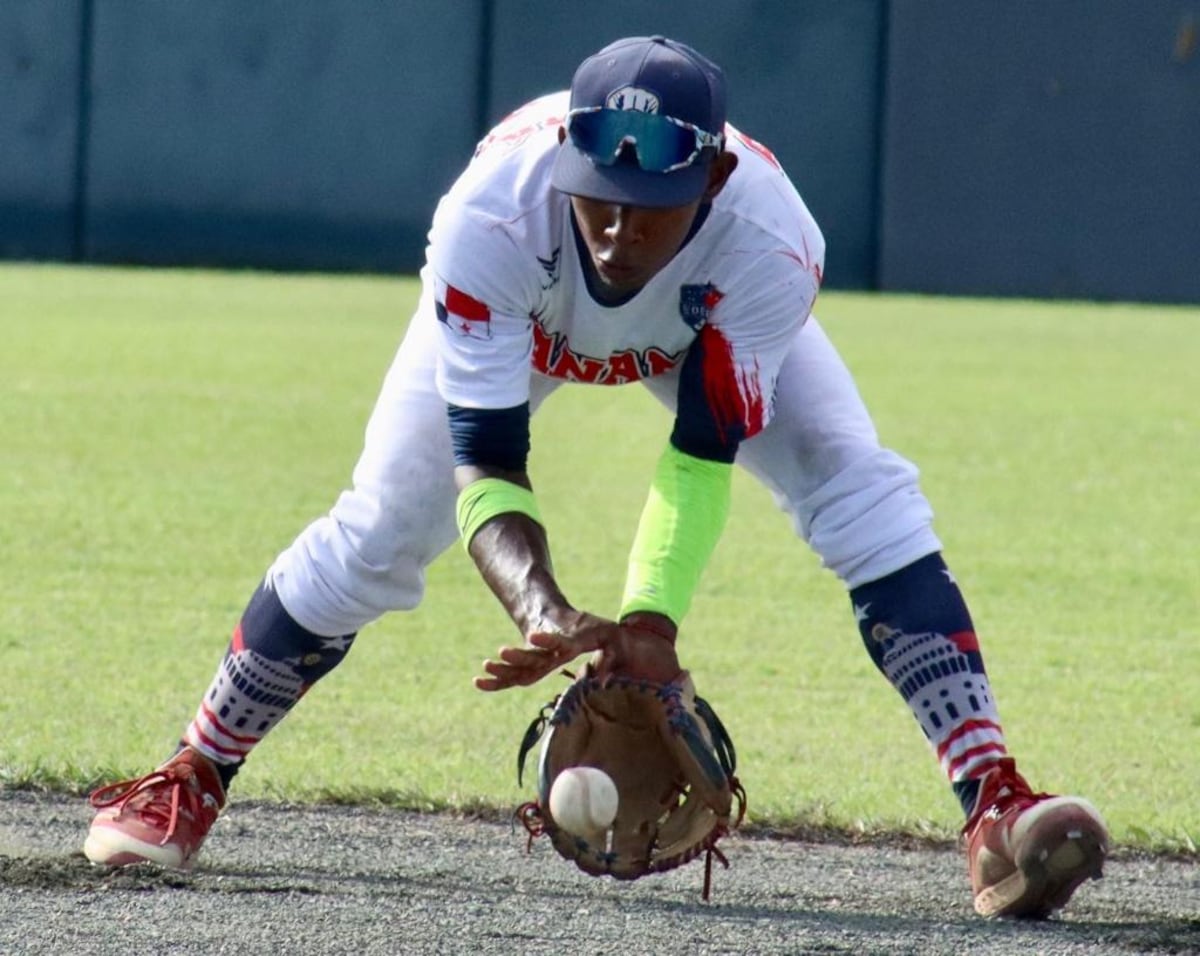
pixel 662 144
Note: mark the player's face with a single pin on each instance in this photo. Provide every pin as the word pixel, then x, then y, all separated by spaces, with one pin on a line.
pixel 628 245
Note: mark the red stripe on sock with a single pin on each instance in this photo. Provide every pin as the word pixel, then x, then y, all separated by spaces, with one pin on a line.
pixel 967 727
pixel 965 758
pixel 225 731
pixel 207 743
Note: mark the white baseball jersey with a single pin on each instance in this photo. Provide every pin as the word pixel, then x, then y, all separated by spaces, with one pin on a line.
pixel 511 294
pixel 729 316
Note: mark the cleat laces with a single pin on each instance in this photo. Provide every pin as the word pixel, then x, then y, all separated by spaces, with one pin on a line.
pixel 160 798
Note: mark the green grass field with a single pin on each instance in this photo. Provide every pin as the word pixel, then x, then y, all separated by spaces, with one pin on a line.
pixel 164 434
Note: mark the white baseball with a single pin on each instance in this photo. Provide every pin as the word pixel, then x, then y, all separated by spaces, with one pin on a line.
pixel 583 800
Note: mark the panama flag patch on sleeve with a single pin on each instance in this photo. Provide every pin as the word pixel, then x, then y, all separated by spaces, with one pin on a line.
pixel 467 316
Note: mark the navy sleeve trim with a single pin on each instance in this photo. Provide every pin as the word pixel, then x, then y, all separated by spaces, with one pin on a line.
pixel 490 437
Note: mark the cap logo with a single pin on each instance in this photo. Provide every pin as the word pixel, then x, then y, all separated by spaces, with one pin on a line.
pixel 632 98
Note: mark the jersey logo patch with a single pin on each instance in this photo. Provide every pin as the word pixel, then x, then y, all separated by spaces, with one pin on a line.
pixel 696 303
pixel 468 317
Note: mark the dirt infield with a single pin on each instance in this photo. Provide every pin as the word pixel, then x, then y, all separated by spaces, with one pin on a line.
pixel 332 880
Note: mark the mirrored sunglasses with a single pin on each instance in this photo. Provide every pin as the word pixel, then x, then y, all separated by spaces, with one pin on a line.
pixel 662 144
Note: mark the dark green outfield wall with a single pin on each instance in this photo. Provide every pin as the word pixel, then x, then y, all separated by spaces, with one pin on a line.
pixel 40 49
pixel 1020 148
pixel 1053 150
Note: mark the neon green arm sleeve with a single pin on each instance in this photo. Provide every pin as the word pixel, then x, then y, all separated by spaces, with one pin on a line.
pixel 482 500
pixel 681 523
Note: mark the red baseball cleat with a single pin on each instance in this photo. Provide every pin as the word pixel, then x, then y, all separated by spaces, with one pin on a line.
pixel 161 818
pixel 1028 852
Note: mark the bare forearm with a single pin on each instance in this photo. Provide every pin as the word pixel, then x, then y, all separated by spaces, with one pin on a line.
pixel 513 556
pixel 506 540
pixel 510 548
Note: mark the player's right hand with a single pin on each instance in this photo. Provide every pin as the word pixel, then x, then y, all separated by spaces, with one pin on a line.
pixel 629 651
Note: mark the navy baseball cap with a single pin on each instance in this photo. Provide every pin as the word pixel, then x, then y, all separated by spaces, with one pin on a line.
pixel 647 115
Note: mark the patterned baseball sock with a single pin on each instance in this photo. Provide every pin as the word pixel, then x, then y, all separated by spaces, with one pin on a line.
pixel 270 664
pixel 918 631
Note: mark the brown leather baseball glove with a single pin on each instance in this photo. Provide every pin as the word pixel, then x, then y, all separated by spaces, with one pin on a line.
pixel 672 762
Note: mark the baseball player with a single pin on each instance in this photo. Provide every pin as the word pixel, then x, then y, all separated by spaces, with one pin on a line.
pixel 624 232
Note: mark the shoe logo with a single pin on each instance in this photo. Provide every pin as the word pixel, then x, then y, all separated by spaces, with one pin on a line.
pixel 210 802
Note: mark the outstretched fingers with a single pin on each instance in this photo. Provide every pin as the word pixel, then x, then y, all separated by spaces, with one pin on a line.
pixel 501 676
pixel 521 666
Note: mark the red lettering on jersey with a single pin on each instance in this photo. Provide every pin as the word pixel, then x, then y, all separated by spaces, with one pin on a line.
pixel 622 367
pixel 552 357
pixel 755 146
pixel 577 368
pixel 543 349
pixel 658 361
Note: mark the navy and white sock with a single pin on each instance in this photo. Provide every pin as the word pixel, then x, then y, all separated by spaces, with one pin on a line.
pixel 918 631
pixel 270 664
